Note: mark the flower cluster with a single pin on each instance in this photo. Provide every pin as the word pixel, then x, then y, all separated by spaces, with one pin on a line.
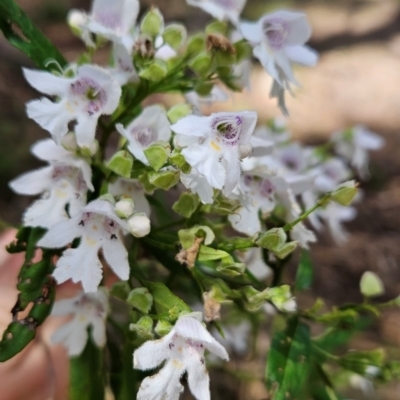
pixel 219 171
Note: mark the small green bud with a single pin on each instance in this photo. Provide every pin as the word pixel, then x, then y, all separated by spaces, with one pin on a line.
pixel 152 23
pixel 178 112
pixel 121 163
pixel 201 64
pixel 282 298
pixel 164 180
pixel 243 50
pixel 273 239
pixel 230 268
pixel 120 290
pixel 124 208
pixel 141 299
pixel 163 327
pixel 285 250
pixel 371 285
pixel 155 72
pixel 108 197
pixel 187 204
pixel 345 193
pixel 89 151
pixel 175 35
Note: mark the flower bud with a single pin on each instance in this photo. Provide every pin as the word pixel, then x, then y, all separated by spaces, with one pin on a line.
pixel 371 285
pixel 69 142
pixel 139 225
pixel 152 23
pixel 345 193
pixel 75 20
pixel 91 150
pixel 124 208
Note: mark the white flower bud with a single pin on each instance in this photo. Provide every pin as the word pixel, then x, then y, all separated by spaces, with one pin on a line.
pixel 124 208
pixel 89 151
pixel 139 225
pixel 69 142
pixel 75 20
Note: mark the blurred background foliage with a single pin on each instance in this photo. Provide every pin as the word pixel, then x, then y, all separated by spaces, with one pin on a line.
pixel 356 81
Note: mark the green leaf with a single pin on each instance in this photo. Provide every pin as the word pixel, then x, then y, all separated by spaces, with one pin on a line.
pixel 86 378
pixel 157 155
pixel 210 254
pixel 305 273
pixel 164 180
pixel 155 72
pixel 288 362
pixel 21 33
pixel 121 163
pixel 165 302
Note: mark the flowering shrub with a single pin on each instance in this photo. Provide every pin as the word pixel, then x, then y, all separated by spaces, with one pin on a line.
pixel 182 207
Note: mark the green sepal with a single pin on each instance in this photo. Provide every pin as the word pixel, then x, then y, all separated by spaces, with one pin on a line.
pixel 371 285
pixel 285 250
pixel 152 23
pixel 157 154
pixel 143 328
pixel 121 163
pixel 272 240
pixel 120 290
pixel 175 35
pixel 210 254
pixel 361 361
pixel 196 44
pixel 141 299
pixel 243 50
pixel 155 72
pixel 178 112
pixel 163 327
pixel 188 236
pixel 217 27
pixel 187 204
pixel 164 180
pixel 201 64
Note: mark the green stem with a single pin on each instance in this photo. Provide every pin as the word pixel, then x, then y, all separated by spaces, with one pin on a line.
pixel 288 227
pixel 169 225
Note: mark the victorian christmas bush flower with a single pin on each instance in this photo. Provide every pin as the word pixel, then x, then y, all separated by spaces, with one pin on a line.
pixel 221 9
pixel 63 183
pixel 278 40
pixel 150 126
pixel 216 144
pixel 83 98
pixel 99 228
pixel 113 20
pixel 87 310
pixel 182 350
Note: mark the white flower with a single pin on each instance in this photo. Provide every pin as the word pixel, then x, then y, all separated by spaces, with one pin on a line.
pixel 278 40
pixel 123 70
pixel 182 350
pixel 132 189
pixel 64 182
pixel 139 225
pixel 84 98
pixel 150 126
pixel 88 310
pixel 196 101
pixel 255 262
pixel 215 145
pixel 198 184
pixel 355 145
pixel 221 9
pixel 98 227
pixel 113 20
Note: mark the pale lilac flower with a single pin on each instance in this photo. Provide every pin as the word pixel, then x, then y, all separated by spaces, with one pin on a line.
pixel 113 20
pixel 150 126
pixel 216 144
pixel 217 94
pixel 221 9
pixel 355 145
pixel 182 350
pixel 123 70
pixel 132 189
pixel 99 228
pixel 64 182
pixel 82 98
pixel 88 310
pixel 278 40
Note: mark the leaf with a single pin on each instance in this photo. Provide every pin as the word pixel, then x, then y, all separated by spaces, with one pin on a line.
pixel 210 254
pixel 86 374
pixel 19 30
pixel 305 273
pixel 288 362
pixel 37 288
pixel 165 302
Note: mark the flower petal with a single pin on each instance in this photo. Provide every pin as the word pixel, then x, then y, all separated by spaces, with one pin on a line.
pixel 47 83
pixel 34 182
pixel 251 31
pixel 61 234
pixel 116 256
pixel 303 55
pixel 73 336
pixel 192 125
pixel 198 379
